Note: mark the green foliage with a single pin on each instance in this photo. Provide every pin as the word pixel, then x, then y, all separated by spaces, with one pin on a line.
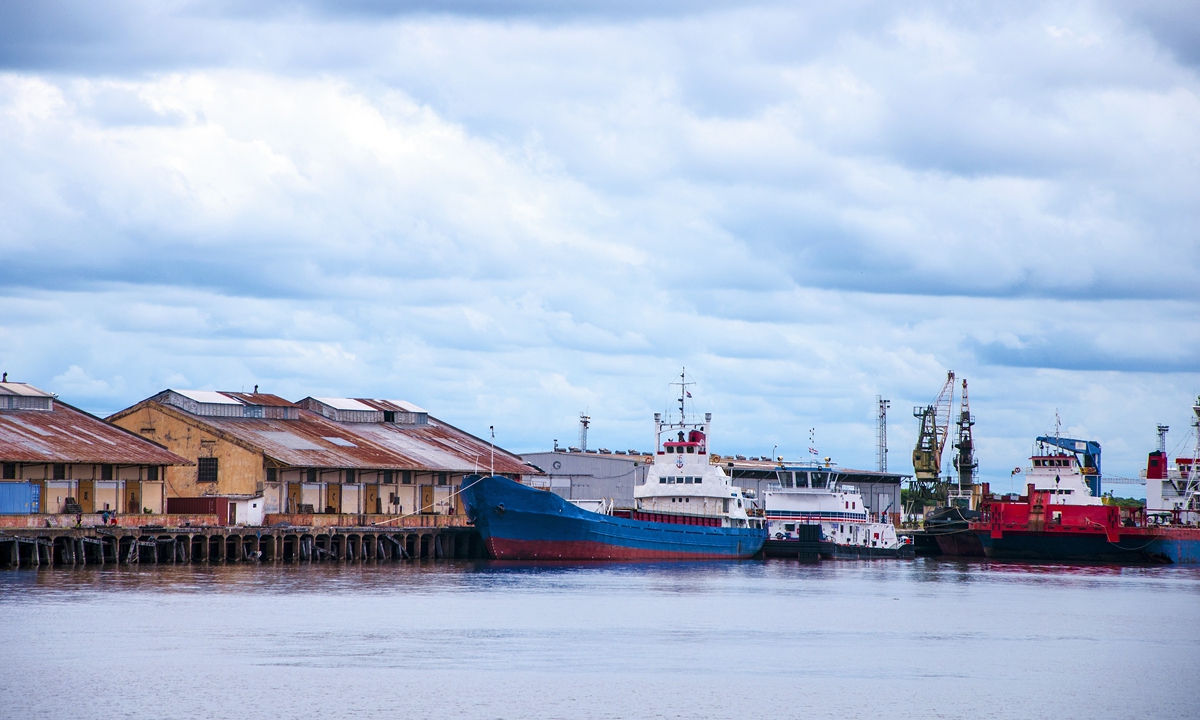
pixel 1124 502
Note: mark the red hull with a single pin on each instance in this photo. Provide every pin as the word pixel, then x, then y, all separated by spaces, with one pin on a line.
pixel 505 549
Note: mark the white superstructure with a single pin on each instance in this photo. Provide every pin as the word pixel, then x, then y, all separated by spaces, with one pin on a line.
pixel 1175 486
pixel 810 494
pixel 683 481
pixel 1059 474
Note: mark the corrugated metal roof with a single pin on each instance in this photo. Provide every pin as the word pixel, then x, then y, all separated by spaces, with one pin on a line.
pixel 25 389
pixel 344 404
pixel 400 405
pixel 209 396
pixel 259 399
pixel 69 435
pixel 313 440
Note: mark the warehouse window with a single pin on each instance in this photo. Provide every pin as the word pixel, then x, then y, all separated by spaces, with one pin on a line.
pixel 312 475
pixel 10 471
pixel 60 471
pixel 349 476
pixel 406 477
pixel 441 478
pixel 206 469
pixel 389 416
pixel 152 473
pixel 271 475
pixel 389 477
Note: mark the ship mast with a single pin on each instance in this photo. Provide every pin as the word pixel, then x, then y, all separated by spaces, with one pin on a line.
pixel 683 395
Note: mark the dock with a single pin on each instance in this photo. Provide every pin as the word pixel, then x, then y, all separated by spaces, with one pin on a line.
pixel 50 547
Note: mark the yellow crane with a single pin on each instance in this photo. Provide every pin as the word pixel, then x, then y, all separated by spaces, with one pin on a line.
pixel 931 441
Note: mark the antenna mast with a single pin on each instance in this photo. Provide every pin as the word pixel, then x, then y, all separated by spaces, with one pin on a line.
pixel 881 433
pixel 584 421
pixel 683 394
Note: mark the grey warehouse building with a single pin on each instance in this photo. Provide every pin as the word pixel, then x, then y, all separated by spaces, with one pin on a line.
pixel 595 475
pixel 591 475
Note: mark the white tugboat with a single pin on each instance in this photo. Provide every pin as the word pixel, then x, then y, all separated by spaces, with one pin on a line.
pixel 810 505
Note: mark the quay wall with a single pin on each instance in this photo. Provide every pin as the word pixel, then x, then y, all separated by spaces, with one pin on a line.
pixel 50 547
pixel 89 520
pixel 380 521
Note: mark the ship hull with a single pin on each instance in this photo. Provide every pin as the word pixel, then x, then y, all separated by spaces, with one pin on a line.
pixel 959 543
pixel 950 528
pixel 1180 545
pixel 1068 547
pixel 833 550
pixel 518 522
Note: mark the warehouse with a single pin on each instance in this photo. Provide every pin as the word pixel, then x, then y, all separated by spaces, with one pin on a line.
pixel 58 459
pixel 350 456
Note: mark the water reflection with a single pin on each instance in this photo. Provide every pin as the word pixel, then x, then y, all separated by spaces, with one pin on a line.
pixel 471 639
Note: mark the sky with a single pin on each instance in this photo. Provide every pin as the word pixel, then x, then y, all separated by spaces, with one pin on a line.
pixel 512 213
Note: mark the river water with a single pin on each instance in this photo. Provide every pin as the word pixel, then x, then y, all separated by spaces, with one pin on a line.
pixel 775 639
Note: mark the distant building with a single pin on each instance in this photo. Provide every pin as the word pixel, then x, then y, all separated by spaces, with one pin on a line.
pixel 335 455
pixel 55 458
pixel 592 475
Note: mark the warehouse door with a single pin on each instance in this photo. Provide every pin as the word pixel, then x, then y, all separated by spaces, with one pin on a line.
pixel 333 498
pixel 87 495
pixel 427 498
pixel 371 502
pixel 134 492
pixel 294 497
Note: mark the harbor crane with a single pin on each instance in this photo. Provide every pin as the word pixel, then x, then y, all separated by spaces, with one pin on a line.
pixel 925 487
pixel 964 459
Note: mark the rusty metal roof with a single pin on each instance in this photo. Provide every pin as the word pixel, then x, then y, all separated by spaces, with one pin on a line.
pixel 313 440
pixel 65 434
pixel 259 399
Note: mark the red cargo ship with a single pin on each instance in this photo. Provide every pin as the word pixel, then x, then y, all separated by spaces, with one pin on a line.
pixel 1035 527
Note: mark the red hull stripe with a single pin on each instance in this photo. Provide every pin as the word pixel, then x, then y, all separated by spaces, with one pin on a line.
pixel 505 549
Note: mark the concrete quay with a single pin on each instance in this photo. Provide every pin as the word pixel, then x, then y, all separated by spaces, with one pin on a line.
pixel 320 539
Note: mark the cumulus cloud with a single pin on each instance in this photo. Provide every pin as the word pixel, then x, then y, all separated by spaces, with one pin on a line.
pixel 510 216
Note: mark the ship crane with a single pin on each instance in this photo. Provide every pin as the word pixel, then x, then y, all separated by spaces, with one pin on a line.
pixel 1088 453
pixel 927 456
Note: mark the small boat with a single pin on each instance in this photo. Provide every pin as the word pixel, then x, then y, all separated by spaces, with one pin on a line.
pixel 810 502
pixel 686 510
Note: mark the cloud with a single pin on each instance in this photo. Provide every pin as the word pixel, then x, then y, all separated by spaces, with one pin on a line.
pixel 512 216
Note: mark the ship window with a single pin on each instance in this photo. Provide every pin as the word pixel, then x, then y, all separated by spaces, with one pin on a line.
pixel 662 480
pixel 670 448
pixel 699 480
pixel 789 527
pixel 691 449
pixel 687 499
pixel 1037 463
pixel 687 480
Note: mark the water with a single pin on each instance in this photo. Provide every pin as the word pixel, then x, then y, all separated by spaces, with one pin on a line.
pixel 777 639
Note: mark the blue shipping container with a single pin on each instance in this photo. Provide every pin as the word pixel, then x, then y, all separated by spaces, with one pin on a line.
pixel 20 498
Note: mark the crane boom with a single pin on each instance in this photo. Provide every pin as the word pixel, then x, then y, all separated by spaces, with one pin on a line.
pixel 935 426
pixel 1088 453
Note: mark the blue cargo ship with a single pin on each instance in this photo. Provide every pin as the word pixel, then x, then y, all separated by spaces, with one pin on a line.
pixel 688 509
pixel 518 522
